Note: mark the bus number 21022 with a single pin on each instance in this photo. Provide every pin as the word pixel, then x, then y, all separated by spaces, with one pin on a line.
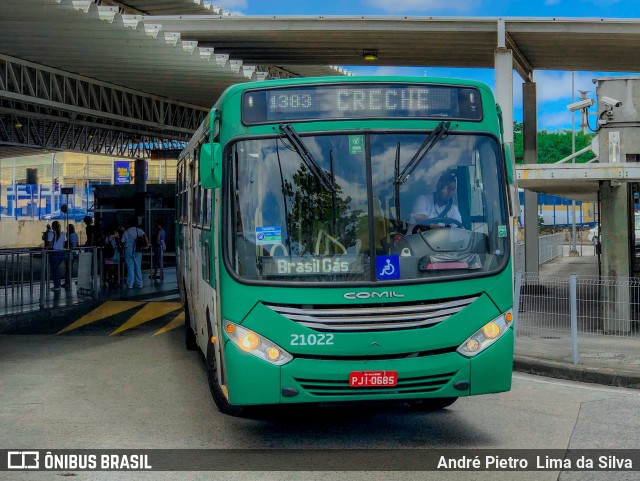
pixel 311 339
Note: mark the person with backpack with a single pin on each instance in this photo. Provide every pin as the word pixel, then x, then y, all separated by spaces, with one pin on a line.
pixel 135 241
pixel 111 255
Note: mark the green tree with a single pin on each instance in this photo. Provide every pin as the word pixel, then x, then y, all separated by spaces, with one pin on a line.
pixel 552 146
pixel 313 209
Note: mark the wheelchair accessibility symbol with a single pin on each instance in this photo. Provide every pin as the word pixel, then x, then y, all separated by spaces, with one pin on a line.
pixel 388 267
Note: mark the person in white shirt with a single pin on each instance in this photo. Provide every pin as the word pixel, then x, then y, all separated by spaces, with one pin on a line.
pixel 132 255
pixel 57 254
pixel 438 205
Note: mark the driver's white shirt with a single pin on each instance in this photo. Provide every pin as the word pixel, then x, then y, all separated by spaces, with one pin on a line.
pixel 424 205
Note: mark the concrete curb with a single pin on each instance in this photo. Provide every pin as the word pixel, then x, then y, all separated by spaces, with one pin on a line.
pixel 589 374
pixel 44 320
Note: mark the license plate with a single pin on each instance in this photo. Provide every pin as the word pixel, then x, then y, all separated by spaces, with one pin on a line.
pixel 373 378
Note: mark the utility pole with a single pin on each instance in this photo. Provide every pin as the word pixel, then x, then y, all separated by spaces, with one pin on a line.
pixel 574 251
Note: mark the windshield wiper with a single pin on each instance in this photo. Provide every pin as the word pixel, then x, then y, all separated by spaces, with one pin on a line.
pixel 311 163
pixel 432 139
pixel 396 172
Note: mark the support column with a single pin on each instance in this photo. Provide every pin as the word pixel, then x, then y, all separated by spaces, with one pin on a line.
pixel 503 69
pixel 140 190
pixel 614 222
pixel 530 148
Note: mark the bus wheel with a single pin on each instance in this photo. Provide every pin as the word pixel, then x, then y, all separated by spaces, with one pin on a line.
pixel 189 336
pixel 433 404
pixel 214 385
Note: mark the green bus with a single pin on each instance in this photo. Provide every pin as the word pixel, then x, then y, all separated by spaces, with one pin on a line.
pixel 348 239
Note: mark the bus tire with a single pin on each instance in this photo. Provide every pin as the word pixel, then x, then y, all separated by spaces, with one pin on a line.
pixel 433 404
pixel 214 385
pixel 189 336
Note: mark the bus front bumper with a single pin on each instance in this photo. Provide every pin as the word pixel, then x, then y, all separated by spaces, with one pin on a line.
pixel 254 381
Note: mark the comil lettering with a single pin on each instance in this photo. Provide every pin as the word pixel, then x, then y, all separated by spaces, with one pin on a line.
pixel 372 295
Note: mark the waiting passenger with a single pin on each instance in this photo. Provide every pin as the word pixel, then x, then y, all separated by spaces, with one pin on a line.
pixel 56 254
pixel 135 241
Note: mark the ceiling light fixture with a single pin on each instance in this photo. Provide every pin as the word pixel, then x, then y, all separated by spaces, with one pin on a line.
pixel 370 55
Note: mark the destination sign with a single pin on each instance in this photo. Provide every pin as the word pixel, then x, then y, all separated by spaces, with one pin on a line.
pixel 357 101
pixel 316 265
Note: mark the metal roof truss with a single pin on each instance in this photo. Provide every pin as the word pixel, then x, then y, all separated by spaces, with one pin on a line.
pixel 30 133
pixel 40 91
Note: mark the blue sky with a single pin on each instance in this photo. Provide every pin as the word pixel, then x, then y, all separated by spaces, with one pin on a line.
pixel 554 88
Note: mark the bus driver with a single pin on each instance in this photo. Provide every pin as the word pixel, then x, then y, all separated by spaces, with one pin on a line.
pixel 438 205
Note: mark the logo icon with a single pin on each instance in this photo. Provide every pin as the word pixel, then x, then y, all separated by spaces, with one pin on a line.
pixel 356 144
pixel 388 267
pixel 372 295
pixel 23 459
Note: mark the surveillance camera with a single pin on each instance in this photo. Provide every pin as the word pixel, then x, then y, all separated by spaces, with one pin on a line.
pixel 609 102
pixel 583 104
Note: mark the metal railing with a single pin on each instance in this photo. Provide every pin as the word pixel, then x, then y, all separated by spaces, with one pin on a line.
pixel 28 279
pixel 549 248
pixel 578 319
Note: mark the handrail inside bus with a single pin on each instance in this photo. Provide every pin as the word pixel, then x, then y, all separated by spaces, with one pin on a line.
pixel 275 247
pixel 327 237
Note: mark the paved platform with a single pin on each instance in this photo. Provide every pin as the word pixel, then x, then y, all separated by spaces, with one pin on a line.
pixel 585 264
pixel 66 307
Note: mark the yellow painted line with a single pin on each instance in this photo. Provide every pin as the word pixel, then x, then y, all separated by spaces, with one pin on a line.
pixel 177 322
pixel 151 311
pixel 108 309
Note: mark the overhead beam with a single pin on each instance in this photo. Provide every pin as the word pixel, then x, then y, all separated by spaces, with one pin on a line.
pixel 520 62
pixel 29 133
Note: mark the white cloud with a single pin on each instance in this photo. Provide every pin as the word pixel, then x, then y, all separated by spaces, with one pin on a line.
pixel 554 121
pixel 231 4
pixel 422 6
pixel 399 71
pixel 553 86
pixel 517 90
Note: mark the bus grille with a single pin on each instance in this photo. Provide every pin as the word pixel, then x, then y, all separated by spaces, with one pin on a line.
pixel 410 385
pixel 372 317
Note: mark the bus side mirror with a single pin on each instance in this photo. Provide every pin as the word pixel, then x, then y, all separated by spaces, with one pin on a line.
pixel 508 158
pixel 211 165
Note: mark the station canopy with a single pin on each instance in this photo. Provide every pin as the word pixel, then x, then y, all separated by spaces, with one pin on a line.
pixel 193 54
pixel 129 49
pixel 189 51
pixel 589 44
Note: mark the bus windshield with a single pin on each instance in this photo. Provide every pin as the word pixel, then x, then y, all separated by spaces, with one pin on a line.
pixel 446 219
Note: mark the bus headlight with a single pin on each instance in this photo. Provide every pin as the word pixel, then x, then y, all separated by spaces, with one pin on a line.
pixel 256 344
pixel 486 335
